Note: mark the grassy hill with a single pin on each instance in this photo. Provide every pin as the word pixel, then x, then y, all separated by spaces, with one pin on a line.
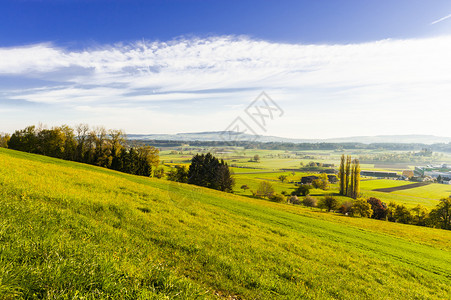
pixel 69 230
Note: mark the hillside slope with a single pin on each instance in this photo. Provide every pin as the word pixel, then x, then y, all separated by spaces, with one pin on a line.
pixel 69 230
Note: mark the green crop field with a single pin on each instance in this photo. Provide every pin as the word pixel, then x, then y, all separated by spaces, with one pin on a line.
pixel 74 231
pixel 373 184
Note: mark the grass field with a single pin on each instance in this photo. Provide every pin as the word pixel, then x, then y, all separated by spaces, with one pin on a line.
pixel 69 230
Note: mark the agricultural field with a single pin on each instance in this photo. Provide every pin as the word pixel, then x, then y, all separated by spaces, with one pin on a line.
pixel 273 162
pixel 71 230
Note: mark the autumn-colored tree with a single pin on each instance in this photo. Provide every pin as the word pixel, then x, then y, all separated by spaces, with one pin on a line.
pixel 322 182
pixel 379 208
pixel 361 208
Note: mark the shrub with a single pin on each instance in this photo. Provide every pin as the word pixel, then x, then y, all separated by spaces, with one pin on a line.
pixel 244 187
pixel 402 214
pixel 329 203
pixel 379 208
pixel 265 189
pixel 361 208
pixel 277 198
pixel 345 207
pixel 322 182
pixel 419 215
pixel 310 201
pixel 294 200
pixel 302 190
pixel 159 173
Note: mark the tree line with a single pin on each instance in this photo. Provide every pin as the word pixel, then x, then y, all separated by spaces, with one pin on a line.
pixel 439 147
pixel 96 146
pixel 438 217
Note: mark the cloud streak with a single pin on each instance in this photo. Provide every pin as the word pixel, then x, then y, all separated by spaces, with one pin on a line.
pixel 215 77
pixel 441 19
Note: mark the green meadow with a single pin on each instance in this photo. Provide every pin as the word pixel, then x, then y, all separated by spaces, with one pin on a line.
pixel 272 162
pixel 75 231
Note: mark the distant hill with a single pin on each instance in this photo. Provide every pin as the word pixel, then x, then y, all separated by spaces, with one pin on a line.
pixel 223 135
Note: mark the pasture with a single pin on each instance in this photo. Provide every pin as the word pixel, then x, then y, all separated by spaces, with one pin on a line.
pixel 70 230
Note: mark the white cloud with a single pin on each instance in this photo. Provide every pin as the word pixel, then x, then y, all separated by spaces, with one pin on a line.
pixel 216 77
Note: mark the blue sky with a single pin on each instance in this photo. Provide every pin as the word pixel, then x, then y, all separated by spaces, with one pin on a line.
pixel 184 66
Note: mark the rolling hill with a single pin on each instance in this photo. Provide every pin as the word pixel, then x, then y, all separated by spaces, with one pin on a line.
pixel 224 135
pixel 69 230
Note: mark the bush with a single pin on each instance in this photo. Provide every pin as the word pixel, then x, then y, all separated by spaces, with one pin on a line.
pixel 244 187
pixel 158 173
pixel 277 198
pixel 302 190
pixel 322 182
pixel 361 208
pixel 419 215
pixel 265 189
pixel 310 201
pixel 402 214
pixel 379 208
pixel 329 203
pixel 345 208
pixel 294 200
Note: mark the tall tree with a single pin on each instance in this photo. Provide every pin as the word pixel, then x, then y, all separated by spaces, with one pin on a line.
pixel 117 143
pixel 81 131
pixel 70 144
pixel 348 173
pixel 441 214
pixel 342 175
pixel 224 178
pixel 351 182
pixel 356 191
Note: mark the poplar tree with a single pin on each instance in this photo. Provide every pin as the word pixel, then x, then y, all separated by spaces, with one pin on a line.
pixel 352 181
pixel 357 179
pixel 342 175
pixel 348 173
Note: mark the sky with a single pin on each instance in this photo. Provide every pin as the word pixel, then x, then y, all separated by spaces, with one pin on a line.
pixel 331 68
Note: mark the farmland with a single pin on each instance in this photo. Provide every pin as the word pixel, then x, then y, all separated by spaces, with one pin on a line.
pixel 72 230
pixel 274 163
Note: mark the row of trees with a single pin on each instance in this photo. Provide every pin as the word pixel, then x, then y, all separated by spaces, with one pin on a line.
pixel 349 174
pixel 439 217
pixel 96 146
pixel 205 170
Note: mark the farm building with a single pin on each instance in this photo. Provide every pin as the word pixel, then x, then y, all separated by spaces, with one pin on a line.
pixel 442 171
pixel 379 174
pixel 332 178
pixel 308 179
pixel 408 173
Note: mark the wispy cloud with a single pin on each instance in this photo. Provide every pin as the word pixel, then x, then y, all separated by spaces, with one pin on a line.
pixel 441 19
pixel 153 86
